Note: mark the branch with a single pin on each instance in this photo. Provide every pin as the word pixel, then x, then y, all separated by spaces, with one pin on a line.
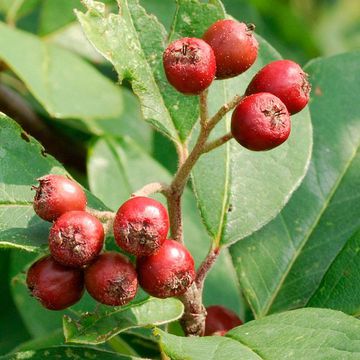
pixel 152 188
pixel 217 142
pixel 13 105
pixel 204 111
pixel 224 110
pixel 205 267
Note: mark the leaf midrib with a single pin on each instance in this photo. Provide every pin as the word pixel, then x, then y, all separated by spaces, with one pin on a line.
pixel 308 235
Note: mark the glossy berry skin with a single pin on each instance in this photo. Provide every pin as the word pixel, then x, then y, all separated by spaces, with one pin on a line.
pixel 189 65
pixel 54 285
pixel 111 279
pixel 141 226
pixel 234 45
pixel 219 320
pixel 168 272
pixel 76 238
pixel 260 122
pixel 284 79
pixel 56 195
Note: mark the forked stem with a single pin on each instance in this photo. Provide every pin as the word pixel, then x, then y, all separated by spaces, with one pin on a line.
pixel 193 320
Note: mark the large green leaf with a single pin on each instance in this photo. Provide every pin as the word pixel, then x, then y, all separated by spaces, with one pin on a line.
pixel 125 168
pixel 134 42
pixel 340 287
pixel 22 161
pixel 240 190
pixel 67 352
pixel 62 82
pixel 11 323
pixel 304 334
pixel 282 265
pixel 98 327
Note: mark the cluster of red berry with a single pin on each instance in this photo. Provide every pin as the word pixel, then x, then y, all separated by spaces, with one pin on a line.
pixel 164 267
pixel 261 121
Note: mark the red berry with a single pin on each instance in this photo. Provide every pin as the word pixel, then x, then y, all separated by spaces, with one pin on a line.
pixel 234 45
pixel 141 226
pixel 111 279
pixel 168 272
pixel 76 238
pixel 260 122
pixel 54 285
pixel 189 65
pixel 220 320
pixel 56 195
pixel 284 79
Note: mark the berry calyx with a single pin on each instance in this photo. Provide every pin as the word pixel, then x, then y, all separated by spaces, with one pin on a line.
pixel 76 238
pixel 168 272
pixel 260 122
pixel 235 47
pixel 54 285
pixel 189 65
pixel 111 279
pixel 284 79
pixel 219 320
pixel 56 195
pixel 141 226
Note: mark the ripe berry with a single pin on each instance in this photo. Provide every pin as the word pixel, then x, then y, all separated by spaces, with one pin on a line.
pixel 168 272
pixel 260 122
pixel 76 238
pixel 111 279
pixel 56 195
pixel 220 320
pixel 54 285
pixel 234 45
pixel 284 79
pixel 141 226
pixel 189 65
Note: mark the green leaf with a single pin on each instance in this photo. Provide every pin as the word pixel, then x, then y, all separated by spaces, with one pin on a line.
pixel 167 110
pixel 304 334
pixel 22 161
pixel 340 288
pixel 125 168
pixel 63 83
pixel 67 352
pixel 98 327
pixel 239 190
pixel 11 323
pixel 282 265
pixel 56 14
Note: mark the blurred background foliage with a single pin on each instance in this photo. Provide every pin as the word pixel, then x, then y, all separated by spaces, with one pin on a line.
pixel 299 29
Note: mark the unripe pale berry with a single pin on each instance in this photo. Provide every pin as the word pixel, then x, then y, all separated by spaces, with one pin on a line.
pixel 189 65
pixel 234 45
pixel 56 195
pixel 111 279
pixel 260 122
pixel 141 226
pixel 168 272
pixel 284 79
pixel 76 238
pixel 54 285
pixel 219 320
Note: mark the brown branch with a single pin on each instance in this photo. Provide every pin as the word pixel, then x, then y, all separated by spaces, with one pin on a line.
pixel 224 110
pixel 217 142
pixel 13 105
pixel 193 320
pixel 204 111
pixel 152 188
pixel 205 267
